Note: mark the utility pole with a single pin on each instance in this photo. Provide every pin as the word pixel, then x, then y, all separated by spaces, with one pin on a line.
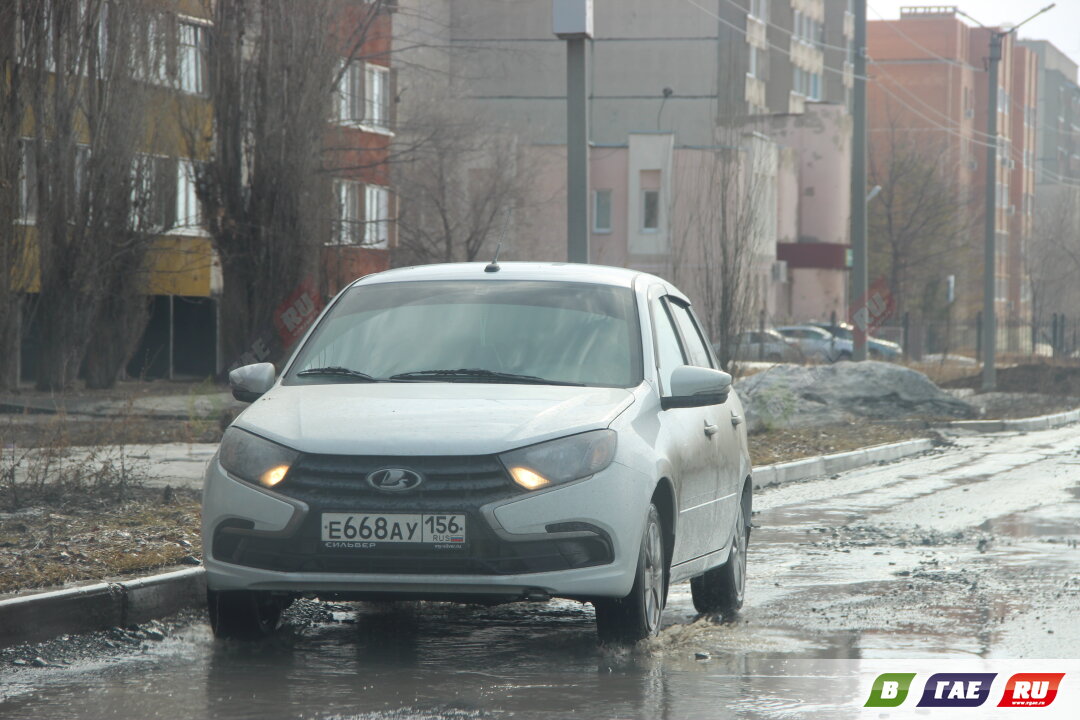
pixel 572 21
pixel 989 322
pixel 989 330
pixel 859 282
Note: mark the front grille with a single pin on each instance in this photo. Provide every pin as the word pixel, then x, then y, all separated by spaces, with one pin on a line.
pixel 337 483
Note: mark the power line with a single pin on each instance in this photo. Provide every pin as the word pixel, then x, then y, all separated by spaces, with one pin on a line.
pixel 783 29
pixel 742 31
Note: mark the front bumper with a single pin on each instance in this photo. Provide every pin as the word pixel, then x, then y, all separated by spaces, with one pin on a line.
pixel 578 540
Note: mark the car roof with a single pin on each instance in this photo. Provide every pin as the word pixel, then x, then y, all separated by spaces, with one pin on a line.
pixel 552 271
pixel 799 327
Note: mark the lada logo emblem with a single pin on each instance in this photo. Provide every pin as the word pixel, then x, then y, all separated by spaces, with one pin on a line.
pixel 394 479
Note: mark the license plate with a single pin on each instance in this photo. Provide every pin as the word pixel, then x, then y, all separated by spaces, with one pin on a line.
pixel 358 528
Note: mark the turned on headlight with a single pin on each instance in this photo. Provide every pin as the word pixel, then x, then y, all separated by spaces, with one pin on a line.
pixel 255 459
pixel 561 461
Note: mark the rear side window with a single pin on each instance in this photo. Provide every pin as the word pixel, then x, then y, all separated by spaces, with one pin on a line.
pixel 696 349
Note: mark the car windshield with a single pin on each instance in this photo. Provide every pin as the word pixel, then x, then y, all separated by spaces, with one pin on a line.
pixel 505 330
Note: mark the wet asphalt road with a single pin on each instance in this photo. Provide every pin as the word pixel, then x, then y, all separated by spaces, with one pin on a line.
pixel 969 552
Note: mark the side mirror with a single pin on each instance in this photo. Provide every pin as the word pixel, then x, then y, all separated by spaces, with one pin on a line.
pixel 696 386
pixel 249 382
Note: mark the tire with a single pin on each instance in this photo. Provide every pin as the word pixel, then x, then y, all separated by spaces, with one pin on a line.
pixel 637 616
pixel 774 358
pixel 721 589
pixel 845 355
pixel 244 614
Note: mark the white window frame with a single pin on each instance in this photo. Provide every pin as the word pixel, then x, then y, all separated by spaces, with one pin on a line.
pixel 376 96
pixel 377 217
pixel 349 224
pixel 189 218
pixel 28 197
pixel 191 57
pixel 597 227
pixel 350 94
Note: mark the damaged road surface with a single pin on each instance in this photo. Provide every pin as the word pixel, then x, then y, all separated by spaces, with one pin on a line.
pixel 968 552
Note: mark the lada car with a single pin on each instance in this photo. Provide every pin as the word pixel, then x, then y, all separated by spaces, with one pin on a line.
pixel 462 432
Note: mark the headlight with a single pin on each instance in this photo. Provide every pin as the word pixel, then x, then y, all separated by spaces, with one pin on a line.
pixel 254 459
pixel 562 460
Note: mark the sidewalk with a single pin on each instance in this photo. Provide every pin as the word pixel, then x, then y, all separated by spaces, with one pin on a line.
pixel 172 401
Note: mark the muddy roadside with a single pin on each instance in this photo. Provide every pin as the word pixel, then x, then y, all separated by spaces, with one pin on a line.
pixel 97 519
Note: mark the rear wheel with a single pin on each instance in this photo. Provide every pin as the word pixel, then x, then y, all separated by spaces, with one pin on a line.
pixel 244 614
pixel 637 616
pixel 721 589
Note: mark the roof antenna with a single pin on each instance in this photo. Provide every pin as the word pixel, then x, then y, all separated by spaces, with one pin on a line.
pixel 493 266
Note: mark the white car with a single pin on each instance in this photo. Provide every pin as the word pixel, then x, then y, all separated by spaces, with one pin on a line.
pixel 451 432
pixel 818 344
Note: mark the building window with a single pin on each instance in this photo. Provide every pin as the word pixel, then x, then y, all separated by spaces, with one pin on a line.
pixel 28 179
pixel 191 58
pixel 153 193
pixel 377 227
pixel 363 95
pixel 756 69
pixel 760 9
pixel 650 210
pixel 351 94
pixel 188 214
pixel 375 104
pixel 350 217
pixel 602 211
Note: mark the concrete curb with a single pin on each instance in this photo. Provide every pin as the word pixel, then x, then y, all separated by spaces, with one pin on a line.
pixel 779 473
pixel 1042 422
pixel 40 616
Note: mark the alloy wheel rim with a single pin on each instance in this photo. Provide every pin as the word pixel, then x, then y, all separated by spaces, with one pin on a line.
pixel 738 550
pixel 653 577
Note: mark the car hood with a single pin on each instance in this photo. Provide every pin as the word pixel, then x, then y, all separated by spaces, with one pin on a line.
pixel 428 418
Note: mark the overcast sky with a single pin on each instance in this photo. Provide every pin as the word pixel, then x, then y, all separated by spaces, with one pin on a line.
pixel 1061 26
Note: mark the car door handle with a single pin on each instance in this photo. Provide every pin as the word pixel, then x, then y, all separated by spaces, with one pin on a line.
pixel 710 430
pixel 736 420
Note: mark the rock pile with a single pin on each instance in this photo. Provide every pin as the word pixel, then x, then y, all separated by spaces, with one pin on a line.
pixel 787 396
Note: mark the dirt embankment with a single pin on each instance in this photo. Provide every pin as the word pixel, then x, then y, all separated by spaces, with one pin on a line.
pixel 1042 378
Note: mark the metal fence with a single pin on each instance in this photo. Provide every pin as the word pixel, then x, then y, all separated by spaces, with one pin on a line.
pixel 1057 336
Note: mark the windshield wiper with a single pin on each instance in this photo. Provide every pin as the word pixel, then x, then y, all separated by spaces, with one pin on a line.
pixel 466 374
pixel 337 371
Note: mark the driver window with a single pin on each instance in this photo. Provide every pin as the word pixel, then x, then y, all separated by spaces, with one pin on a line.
pixel 669 354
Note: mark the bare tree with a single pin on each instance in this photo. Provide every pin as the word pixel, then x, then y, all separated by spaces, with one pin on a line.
pixel 460 181
pixel 720 234
pixel 273 69
pixel 1053 257
pixel 16 276
pixel 920 222
pixel 88 68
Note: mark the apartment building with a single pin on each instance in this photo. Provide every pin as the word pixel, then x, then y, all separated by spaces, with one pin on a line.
pixel 671 85
pixel 1057 181
pixel 929 90
pixel 182 278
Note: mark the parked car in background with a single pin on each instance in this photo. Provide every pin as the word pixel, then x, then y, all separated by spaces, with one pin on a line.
pixel 460 432
pixel 877 348
pixel 767 346
pixel 818 344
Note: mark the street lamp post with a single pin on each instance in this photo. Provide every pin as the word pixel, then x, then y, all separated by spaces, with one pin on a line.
pixel 572 21
pixel 989 321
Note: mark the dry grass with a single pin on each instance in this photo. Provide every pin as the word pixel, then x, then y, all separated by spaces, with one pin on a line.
pixel 782 445
pixel 92 542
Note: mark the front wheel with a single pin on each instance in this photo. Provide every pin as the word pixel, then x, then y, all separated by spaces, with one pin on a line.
pixel 637 616
pixel 244 614
pixel 721 589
